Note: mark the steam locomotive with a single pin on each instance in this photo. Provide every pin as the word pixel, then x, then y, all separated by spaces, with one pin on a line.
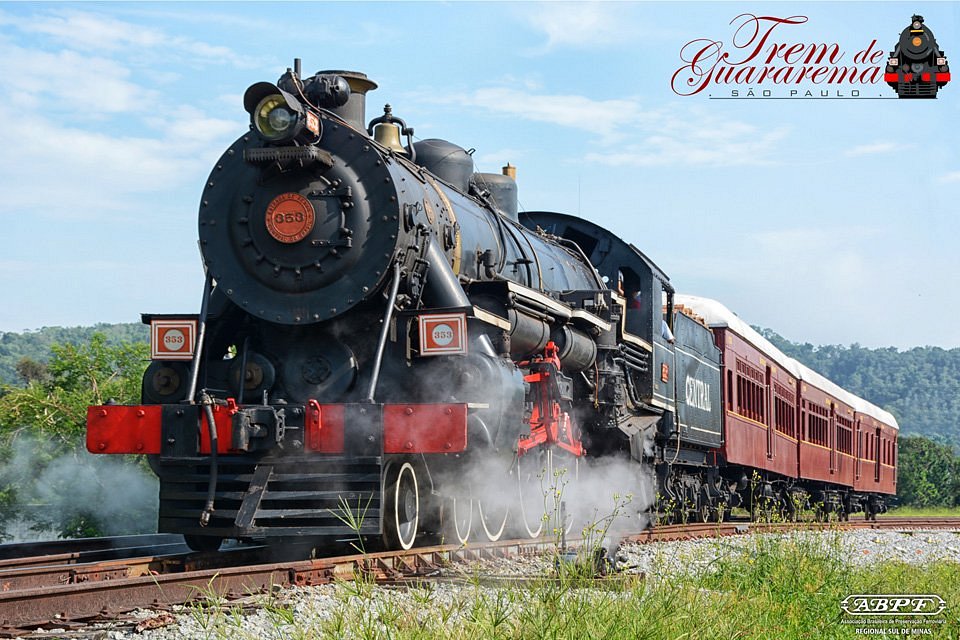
pixel 917 67
pixel 387 348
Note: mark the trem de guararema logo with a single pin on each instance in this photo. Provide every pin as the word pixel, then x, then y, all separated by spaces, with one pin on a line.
pixel 917 67
pixel 771 56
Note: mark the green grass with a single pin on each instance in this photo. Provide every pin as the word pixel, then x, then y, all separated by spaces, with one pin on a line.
pixel 912 512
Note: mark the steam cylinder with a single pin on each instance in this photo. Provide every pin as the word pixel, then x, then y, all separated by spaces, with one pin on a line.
pixel 577 350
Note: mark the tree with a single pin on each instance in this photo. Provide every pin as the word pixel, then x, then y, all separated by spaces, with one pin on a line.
pixel 927 474
pixel 920 386
pixel 955 489
pixel 30 370
pixel 35 345
pixel 54 407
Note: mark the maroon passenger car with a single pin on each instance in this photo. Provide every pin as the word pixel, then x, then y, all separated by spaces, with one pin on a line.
pixel 790 431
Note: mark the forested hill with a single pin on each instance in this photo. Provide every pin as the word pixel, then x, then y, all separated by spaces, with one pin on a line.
pixel 35 345
pixel 921 386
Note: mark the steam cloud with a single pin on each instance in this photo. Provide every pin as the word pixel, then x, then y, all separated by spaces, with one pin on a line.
pixel 117 495
pixel 606 497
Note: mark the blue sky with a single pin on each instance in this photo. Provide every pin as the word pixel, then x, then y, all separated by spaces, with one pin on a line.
pixel 828 220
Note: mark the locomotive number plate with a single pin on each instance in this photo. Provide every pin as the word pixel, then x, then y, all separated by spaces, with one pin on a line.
pixel 443 334
pixel 290 218
pixel 172 339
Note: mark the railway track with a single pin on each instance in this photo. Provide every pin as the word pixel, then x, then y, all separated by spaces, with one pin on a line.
pixel 22 556
pixel 114 559
pixel 67 590
pixel 106 545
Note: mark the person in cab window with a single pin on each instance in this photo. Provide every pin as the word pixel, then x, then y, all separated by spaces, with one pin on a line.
pixel 665 332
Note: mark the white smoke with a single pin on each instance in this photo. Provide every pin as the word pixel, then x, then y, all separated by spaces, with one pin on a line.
pixel 56 493
pixel 600 500
pixel 610 495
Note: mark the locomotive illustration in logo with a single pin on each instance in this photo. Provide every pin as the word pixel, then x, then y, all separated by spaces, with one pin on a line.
pixel 917 67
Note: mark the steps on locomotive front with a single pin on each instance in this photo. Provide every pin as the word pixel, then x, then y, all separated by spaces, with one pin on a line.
pixel 273 497
pixel 917 89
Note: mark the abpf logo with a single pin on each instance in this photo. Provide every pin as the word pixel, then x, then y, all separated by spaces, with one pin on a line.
pixel 893 605
pixel 917 67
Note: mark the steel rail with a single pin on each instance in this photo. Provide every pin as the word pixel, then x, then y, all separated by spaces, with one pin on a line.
pixel 14 550
pixel 86 557
pixel 48 571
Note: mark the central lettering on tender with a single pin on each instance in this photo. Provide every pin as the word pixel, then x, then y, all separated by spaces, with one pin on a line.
pixel 698 394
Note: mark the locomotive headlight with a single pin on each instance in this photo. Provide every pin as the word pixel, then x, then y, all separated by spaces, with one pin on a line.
pixel 274 119
pixel 894 62
pixel 276 115
pixel 941 62
pixel 916 24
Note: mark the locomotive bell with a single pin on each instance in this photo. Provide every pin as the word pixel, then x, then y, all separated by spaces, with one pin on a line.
pixel 388 134
pixel 387 130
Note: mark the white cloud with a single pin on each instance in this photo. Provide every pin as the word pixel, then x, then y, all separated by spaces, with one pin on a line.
pixel 203 14
pixel 691 137
pixel 694 148
pixel 581 24
pixel 834 261
pixel 230 100
pixel 87 31
pixel 631 135
pixel 493 161
pixel 98 139
pixel 68 172
pixel 196 129
pixel 68 81
pixel 874 149
pixel 606 118
pixel 953 176
pixel 16 267
pixel 839 277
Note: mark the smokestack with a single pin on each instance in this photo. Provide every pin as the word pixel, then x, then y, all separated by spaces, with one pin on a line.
pixel 355 110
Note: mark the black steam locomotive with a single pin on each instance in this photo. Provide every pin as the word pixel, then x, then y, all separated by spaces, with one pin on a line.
pixel 385 347
pixel 917 67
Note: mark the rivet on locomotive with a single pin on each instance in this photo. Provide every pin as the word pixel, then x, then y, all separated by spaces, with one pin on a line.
pixel 917 67
pixel 386 347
